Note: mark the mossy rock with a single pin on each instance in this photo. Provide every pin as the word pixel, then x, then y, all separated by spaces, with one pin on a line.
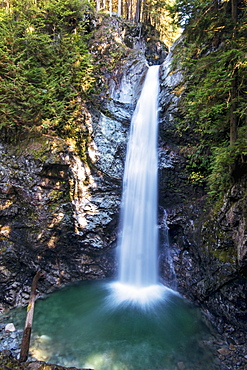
pixel 7 361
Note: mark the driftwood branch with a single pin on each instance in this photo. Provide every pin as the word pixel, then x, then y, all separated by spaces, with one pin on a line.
pixel 29 319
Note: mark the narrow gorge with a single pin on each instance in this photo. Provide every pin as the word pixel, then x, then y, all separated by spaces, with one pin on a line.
pixel 60 210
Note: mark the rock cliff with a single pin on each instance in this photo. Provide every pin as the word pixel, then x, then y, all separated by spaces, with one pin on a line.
pixel 207 244
pixel 59 213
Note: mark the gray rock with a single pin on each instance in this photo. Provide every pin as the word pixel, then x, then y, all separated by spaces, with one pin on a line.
pixel 9 328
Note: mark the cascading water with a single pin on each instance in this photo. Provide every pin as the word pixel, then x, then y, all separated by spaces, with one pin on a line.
pixel 138 236
pixel 135 323
pixel 139 233
pixel 168 271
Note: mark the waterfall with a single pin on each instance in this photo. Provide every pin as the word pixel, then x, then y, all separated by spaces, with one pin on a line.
pixel 138 236
pixel 135 323
pixel 138 226
pixel 169 273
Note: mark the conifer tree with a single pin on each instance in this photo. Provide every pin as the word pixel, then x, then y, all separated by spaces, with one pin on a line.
pixel 213 58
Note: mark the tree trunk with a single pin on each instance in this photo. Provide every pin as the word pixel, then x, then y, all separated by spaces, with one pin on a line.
pixel 29 320
pixel 233 114
pixel 234 86
pixel 145 13
pixel 126 9
pixel 97 5
pixel 119 8
pixel 138 11
pixel 234 5
pixel 129 13
pixel 110 6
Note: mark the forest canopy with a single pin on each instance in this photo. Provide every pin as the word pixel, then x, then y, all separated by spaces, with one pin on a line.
pixel 44 64
pixel 46 70
pixel 213 107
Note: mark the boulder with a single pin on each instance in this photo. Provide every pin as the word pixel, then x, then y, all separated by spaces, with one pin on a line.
pixel 9 328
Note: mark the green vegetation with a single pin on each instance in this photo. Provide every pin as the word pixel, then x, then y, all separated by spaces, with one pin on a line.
pixel 50 64
pixel 45 66
pixel 213 106
pixel 151 13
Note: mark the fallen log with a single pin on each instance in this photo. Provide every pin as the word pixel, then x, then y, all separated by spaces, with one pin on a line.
pixel 29 319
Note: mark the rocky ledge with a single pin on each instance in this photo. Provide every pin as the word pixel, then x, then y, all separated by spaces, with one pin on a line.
pixel 7 361
pixel 10 342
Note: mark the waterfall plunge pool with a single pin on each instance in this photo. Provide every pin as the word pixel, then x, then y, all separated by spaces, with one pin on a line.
pixel 120 325
pixel 86 326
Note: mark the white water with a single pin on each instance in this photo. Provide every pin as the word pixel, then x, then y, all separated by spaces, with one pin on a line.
pixel 86 325
pixel 138 237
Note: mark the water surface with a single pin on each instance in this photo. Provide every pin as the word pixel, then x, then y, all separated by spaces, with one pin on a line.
pixel 80 325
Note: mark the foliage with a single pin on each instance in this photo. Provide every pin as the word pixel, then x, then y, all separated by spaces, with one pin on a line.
pixel 157 14
pixel 45 66
pixel 224 160
pixel 183 11
pixel 214 63
pixel 154 13
pixel 108 49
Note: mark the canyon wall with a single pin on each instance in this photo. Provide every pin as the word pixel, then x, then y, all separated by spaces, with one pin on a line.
pixel 60 213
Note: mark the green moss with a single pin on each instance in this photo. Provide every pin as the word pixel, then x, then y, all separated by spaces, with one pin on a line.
pixel 30 213
pixel 226 256
pixel 216 242
pixel 55 195
pixel 53 206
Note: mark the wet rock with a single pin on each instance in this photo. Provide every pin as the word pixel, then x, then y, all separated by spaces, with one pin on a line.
pixel 126 90
pixel 109 139
pixel 59 213
pixel 10 340
pixel 9 328
pixel 207 250
pixel 47 213
pixel 223 351
pixel 7 361
pixel 180 366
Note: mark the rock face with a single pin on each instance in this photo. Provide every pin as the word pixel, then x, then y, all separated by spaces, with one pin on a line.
pixel 59 213
pixel 207 248
pixel 48 218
